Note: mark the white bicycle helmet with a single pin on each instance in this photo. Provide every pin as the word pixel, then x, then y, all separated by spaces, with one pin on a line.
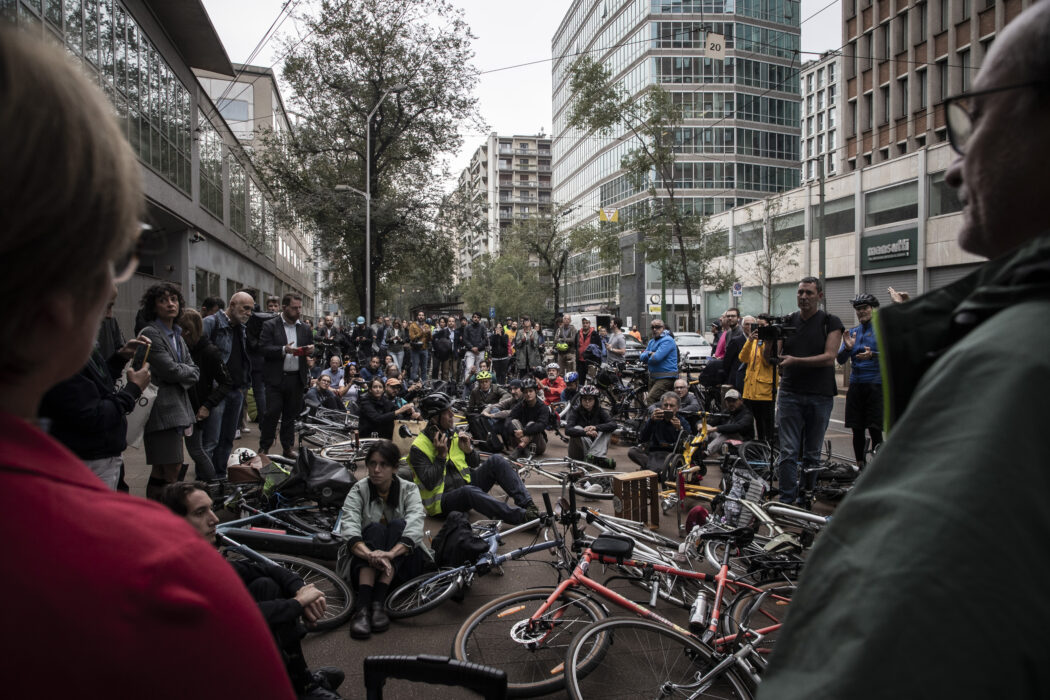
pixel 240 456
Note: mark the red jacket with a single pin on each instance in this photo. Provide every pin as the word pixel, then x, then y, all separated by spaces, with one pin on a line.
pixel 552 390
pixel 109 595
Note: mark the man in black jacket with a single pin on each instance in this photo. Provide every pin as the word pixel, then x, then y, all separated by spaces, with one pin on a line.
pixel 282 595
pixel 284 342
pixel 738 425
pixel 89 416
pixel 528 421
pixel 590 428
pixel 475 341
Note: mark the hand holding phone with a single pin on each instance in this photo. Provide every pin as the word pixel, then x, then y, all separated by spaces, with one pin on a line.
pixel 139 358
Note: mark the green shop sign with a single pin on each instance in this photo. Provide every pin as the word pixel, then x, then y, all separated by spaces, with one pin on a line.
pixel 881 250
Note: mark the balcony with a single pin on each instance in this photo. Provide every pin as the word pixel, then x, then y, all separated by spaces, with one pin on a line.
pixel 544 168
pixel 526 183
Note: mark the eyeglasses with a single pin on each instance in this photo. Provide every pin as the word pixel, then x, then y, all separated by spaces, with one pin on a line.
pixel 655 328
pixel 124 266
pixel 959 118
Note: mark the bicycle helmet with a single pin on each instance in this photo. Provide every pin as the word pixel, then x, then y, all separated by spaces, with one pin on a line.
pixel 562 347
pixel 552 365
pixel 434 405
pixel 241 455
pixel 483 374
pixel 865 300
pixel 360 319
pixel 572 377
pixel 528 383
pixel 589 390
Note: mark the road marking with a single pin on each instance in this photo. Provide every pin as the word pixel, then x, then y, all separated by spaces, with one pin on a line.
pixel 840 422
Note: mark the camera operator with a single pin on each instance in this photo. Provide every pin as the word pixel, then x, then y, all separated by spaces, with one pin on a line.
pixel 807 383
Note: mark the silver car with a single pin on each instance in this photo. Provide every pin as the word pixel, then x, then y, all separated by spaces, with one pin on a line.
pixel 694 348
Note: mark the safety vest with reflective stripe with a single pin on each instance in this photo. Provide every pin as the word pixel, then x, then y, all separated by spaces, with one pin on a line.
pixel 432 497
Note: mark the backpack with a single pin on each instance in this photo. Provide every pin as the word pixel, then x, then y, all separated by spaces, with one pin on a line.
pixel 253 329
pixel 457 544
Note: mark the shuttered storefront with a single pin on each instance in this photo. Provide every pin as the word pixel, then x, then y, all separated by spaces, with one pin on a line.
pixel 838 293
pixel 943 276
pixel 877 284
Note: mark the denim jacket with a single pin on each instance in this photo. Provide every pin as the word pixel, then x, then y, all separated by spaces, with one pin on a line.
pixel 218 330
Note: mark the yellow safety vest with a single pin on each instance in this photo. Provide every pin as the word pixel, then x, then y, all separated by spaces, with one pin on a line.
pixel 432 497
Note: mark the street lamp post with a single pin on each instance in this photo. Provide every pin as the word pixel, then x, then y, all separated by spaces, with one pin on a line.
pixel 367 194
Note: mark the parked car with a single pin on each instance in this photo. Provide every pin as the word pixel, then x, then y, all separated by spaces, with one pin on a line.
pixel 694 348
pixel 634 349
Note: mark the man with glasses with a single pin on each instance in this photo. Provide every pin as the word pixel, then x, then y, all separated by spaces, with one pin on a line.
pixel 964 371
pixel 661 356
pixel 689 403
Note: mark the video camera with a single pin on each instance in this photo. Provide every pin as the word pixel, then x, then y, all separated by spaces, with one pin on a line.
pixel 778 328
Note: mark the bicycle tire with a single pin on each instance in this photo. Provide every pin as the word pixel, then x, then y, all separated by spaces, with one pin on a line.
pixel 339 597
pixel 597 484
pixel 772 611
pixel 411 598
pixel 644 659
pixel 531 664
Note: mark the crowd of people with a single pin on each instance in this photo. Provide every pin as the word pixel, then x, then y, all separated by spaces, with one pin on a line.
pixel 115 595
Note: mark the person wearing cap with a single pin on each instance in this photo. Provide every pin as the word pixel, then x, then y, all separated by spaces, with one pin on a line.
pixel 361 338
pixel 661 356
pixel 736 424
pixel 450 475
pixel 376 411
pixel 864 396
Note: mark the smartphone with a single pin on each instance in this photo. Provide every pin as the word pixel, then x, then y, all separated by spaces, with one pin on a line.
pixel 139 358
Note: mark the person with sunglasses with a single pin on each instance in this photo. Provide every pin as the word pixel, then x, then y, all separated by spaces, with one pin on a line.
pixel 896 600
pixel 661 356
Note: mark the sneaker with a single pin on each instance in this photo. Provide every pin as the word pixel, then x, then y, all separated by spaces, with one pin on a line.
pixel 318 692
pixel 237 435
pixel 245 430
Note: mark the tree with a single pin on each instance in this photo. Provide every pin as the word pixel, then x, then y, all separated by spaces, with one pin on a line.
pixel 507 282
pixel 351 55
pixel 678 240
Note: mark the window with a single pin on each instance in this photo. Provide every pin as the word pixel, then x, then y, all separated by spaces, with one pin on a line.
pixel 820 122
pixel 809 83
pixel 831 77
pixel 892 204
pixel 831 94
pixel 207 285
pixel 942 77
pixel 869 51
pixel 904 40
pixel 884 97
pixel 789 228
pixel 820 144
pixel 831 157
pixel 920 76
pixel 809 126
pixel 964 62
pixel 903 91
pixel 885 41
pixel 831 142
pixel 838 216
pixel 831 118
pixel 943 198
pixel 820 100
pixel 945 14
pixel 820 78
pixel 964 10
pixel 922 21
pixel 809 170
pixel 809 148
pixel 809 105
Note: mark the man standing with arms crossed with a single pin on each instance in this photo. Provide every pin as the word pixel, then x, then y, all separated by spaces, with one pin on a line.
pixel 895 600
pixel 661 356
pixel 226 329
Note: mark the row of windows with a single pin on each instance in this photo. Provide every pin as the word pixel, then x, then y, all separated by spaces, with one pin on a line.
pixel 741 71
pixel 779 11
pixel 752 142
pixel 210 155
pixel 707 176
pixel 593 289
pixel 723 105
pixel 738 35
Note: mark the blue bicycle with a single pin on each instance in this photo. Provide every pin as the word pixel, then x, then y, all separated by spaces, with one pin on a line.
pixel 428 591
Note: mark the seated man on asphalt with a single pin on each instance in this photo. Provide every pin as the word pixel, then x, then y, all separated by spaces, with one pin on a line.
pixel 528 421
pixel 590 429
pixel 282 596
pixel 487 403
pixel 659 435
pixel 687 401
pixel 738 425
pixel 445 467
pixel 572 387
pixel 552 385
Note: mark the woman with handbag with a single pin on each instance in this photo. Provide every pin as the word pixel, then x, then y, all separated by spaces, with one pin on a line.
pixel 210 390
pixel 174 373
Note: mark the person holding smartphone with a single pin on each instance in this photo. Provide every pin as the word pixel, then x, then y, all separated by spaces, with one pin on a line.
pixel 659 434
pixel 864 396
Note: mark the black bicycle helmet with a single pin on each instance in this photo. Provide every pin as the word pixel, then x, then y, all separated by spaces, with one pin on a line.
pixel 434 405
pixel 589 390
pixel 865 300
pixel 528 383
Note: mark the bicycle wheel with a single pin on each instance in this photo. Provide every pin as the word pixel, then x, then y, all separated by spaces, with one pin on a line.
pixel 414 598
pixel 496 634
pixel 769 614
pixel 643 659
pixel 597 484
pixel 339 597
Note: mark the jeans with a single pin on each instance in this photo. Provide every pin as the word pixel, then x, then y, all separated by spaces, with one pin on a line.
pixel 398 356
pixel 803 422
pixel 220 428
pixel 419 364
pixel 107 468
pixel 583 447
pixel 471 359
pixel 494 470
pixel 202 466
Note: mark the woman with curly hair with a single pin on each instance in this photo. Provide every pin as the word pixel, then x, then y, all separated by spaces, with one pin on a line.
pixel 174 373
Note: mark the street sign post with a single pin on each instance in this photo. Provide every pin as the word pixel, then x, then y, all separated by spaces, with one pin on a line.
pixel 738 289
pixel 492 312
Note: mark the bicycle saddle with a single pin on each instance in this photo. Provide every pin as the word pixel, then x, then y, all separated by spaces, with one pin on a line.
pixel 741 537
pixel 618 546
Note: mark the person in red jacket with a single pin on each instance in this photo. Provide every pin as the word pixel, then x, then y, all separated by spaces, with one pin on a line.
pixel 553 385
pixel 105 594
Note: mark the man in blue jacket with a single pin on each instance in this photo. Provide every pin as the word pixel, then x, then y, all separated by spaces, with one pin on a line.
pixel 661 354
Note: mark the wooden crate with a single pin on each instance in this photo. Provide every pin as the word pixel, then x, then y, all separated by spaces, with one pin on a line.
pixel 636 496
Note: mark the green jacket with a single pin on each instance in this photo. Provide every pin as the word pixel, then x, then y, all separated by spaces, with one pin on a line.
pixel 363 507
pixel 929 581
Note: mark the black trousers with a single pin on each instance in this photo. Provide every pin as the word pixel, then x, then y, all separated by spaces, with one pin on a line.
pixel 763 413
pixel 287 635
pixel 284 402
pixel 383 536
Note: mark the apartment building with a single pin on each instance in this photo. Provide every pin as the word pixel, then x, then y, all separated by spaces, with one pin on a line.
pixel 902 58
pixel 821 111
pixel 508 180
pixel 739 140
pixel 213 227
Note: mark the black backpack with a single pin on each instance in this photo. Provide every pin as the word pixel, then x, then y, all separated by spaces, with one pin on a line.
pixel 253 329
pixel 457 544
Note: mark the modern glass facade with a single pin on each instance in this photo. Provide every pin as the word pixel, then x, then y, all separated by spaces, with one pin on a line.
pixel 740 134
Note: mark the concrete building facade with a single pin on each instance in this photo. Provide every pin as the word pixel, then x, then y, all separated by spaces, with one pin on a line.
pixel 508 180
pixel 820 82
pixel 213 228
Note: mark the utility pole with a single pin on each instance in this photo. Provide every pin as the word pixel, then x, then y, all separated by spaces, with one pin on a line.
pixel 820 224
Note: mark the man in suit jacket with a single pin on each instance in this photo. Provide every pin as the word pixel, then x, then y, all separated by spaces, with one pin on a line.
pixel 285 341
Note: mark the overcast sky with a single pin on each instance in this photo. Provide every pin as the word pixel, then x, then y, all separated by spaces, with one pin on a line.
pixel 514 100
